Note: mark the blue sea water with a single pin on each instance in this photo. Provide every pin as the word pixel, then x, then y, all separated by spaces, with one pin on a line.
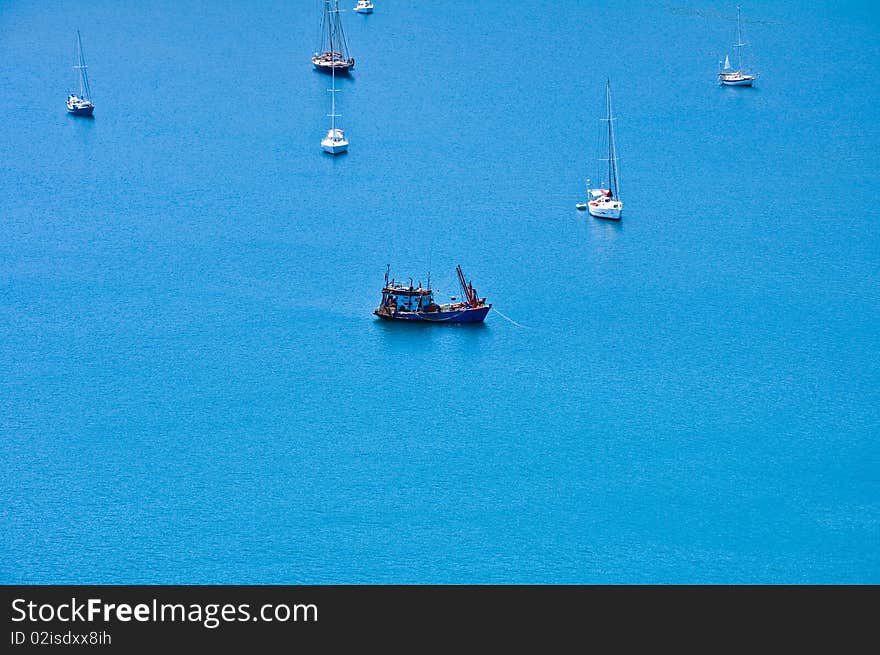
pixel 193 388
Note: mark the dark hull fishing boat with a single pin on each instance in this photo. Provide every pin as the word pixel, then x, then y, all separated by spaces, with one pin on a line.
pixel 407 303
pixel 331 55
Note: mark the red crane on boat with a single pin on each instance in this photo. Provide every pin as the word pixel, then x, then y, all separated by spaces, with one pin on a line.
pixel 468 289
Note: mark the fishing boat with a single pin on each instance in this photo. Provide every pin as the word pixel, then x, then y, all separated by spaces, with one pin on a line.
pixel 405 302
pixel 80 104
pixel 364 7
pixel 604 200
pixel 335 141
pixel 727 76
pixel 332 51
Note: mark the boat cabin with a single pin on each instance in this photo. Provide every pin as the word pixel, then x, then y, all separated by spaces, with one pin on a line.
pixel 400 298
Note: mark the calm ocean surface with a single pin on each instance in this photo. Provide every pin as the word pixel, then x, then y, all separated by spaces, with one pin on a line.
pixel 193 388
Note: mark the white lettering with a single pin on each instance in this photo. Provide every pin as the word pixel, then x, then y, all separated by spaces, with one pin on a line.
pixel 19 610
pixel 306 609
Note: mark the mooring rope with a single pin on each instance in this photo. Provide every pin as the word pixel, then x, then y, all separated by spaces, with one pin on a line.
pixel 508 318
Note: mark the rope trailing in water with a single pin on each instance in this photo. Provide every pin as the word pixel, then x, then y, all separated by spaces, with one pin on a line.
pixel 507 318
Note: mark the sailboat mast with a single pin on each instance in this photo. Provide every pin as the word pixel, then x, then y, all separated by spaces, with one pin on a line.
pixel 333 103
pixel 610 141
pixel 340 33
pixel 79 63
pixel 84 91
pixel 739 40
pixel 612 156
pixel 330 26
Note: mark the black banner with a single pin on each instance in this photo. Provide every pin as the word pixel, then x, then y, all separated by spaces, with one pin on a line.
pixel 129 618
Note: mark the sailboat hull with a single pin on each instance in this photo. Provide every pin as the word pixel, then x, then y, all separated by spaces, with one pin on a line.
pixel 738 82
pixel 608 213
pixel 335 141
pixel 328 66
pixel 81 111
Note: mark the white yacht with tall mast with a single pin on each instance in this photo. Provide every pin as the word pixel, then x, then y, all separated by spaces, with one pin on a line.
pixel 727 76
pixel 80 103
pixel 335 141
pixel 604 201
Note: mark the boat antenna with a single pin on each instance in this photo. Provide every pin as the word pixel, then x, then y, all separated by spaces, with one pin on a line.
pixel 429 280
pixel 387 273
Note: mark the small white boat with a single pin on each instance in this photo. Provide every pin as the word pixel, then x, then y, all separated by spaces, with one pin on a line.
pixel 727 76
pixel 605 202
pixel 364 7
pixel 80 104
pixel 335 141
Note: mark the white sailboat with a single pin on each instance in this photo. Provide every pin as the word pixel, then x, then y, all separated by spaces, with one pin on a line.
pixel 80 104
pixel 739 77
pixel 364 7
pixel 335 141
pixel 604 200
